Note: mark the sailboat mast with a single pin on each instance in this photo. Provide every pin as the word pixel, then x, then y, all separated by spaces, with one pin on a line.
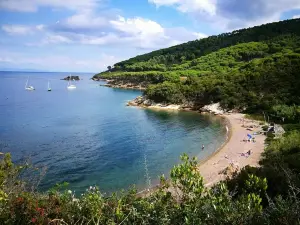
pixel 26 82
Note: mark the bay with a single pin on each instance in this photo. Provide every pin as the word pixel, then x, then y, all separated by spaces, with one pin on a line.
pixel 88 136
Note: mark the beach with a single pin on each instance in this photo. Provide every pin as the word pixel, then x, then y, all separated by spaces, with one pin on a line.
pixel 232 155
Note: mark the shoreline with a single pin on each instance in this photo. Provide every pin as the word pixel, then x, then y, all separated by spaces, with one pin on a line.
pixel 228 158
pixel 121 85
pixel 227 140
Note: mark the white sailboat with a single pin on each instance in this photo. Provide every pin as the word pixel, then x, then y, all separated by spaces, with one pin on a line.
pixel 70 86
pixel 49 88
pixel 28 88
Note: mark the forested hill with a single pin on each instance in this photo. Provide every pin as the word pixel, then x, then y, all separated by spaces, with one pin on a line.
pixel 254 69
pixel 194 49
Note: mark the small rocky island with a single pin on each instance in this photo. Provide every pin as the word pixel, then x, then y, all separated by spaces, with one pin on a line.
pixel 71 78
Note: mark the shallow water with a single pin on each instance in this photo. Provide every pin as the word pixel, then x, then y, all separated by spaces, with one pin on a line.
pixel 88 136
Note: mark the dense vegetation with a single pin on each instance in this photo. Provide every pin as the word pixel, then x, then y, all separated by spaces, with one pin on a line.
pixel 254 69
pixel 195 49
pixel 265 195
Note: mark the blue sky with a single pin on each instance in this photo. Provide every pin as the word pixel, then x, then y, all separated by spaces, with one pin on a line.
pixel 89 35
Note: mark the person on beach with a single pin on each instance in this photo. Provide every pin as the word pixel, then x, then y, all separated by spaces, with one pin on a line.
pixel 202 147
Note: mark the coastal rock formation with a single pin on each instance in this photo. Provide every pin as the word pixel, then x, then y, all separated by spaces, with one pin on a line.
pixel 123 85
pixel 71 78
pixel 143 101
pixel 213 108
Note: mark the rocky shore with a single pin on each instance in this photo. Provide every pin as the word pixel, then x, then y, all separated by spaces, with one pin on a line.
pixel 120 84
pixel 142 101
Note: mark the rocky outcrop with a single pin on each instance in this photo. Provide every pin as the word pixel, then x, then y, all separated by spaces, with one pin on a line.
pixel 71 78
pixel 123 85
pixel 213 108
pixel 144 102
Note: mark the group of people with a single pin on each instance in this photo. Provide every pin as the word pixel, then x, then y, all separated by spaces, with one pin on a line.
pixel 247 154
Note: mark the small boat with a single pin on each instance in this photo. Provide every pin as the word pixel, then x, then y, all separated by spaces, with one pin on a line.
pixel 70 86
pixel 28 88
pixel 49 88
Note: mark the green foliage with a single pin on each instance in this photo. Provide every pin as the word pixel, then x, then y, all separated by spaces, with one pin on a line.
pixel 187 178
pixel 256 87
pixel 254 70
pixel 166 92
pixel 280 162
pixel 291 127
pixel 286 113
pixel 243 199
pixel 146 78
pixel 195 49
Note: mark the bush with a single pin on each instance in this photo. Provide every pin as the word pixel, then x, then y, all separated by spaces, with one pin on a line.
pixel 269 194
pixel 166 92
pixel 291 127
pixel 265 128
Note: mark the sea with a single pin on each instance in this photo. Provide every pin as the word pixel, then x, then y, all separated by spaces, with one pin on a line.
pixel 89 137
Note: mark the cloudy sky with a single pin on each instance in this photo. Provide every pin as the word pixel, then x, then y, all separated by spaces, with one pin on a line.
pixel 89 35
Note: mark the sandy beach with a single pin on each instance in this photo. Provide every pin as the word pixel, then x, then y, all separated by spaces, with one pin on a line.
pixel 230 155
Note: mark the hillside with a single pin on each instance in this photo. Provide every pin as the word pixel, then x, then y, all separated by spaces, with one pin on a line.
pixel 195 49
pixel 250 69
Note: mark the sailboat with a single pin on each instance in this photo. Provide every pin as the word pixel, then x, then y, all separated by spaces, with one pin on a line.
pixel 70 86
pixel 49 88
pixel 28 88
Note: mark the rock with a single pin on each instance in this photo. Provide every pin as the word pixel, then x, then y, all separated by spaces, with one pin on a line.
pixel 147 102
pixel 213 108
pixel 71 78
pixel 139 100
pixel 132 103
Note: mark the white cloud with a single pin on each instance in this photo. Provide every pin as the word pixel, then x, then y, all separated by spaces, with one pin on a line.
pixel 33 5
pixel 55 39
pixel 134 32
pixel 101 40
pixel 200 35
pixel 22 29
pixel 40 27
pixel 139 32
pixel 137 26
pixel 296 16
pixel 232 14
pixel 186 6
pixel 84 20
pixel 17 29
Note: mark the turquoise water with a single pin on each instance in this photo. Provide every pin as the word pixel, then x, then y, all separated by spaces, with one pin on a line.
pixel 88 136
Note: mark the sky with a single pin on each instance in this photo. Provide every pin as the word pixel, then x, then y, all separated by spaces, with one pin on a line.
pixel 89 35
